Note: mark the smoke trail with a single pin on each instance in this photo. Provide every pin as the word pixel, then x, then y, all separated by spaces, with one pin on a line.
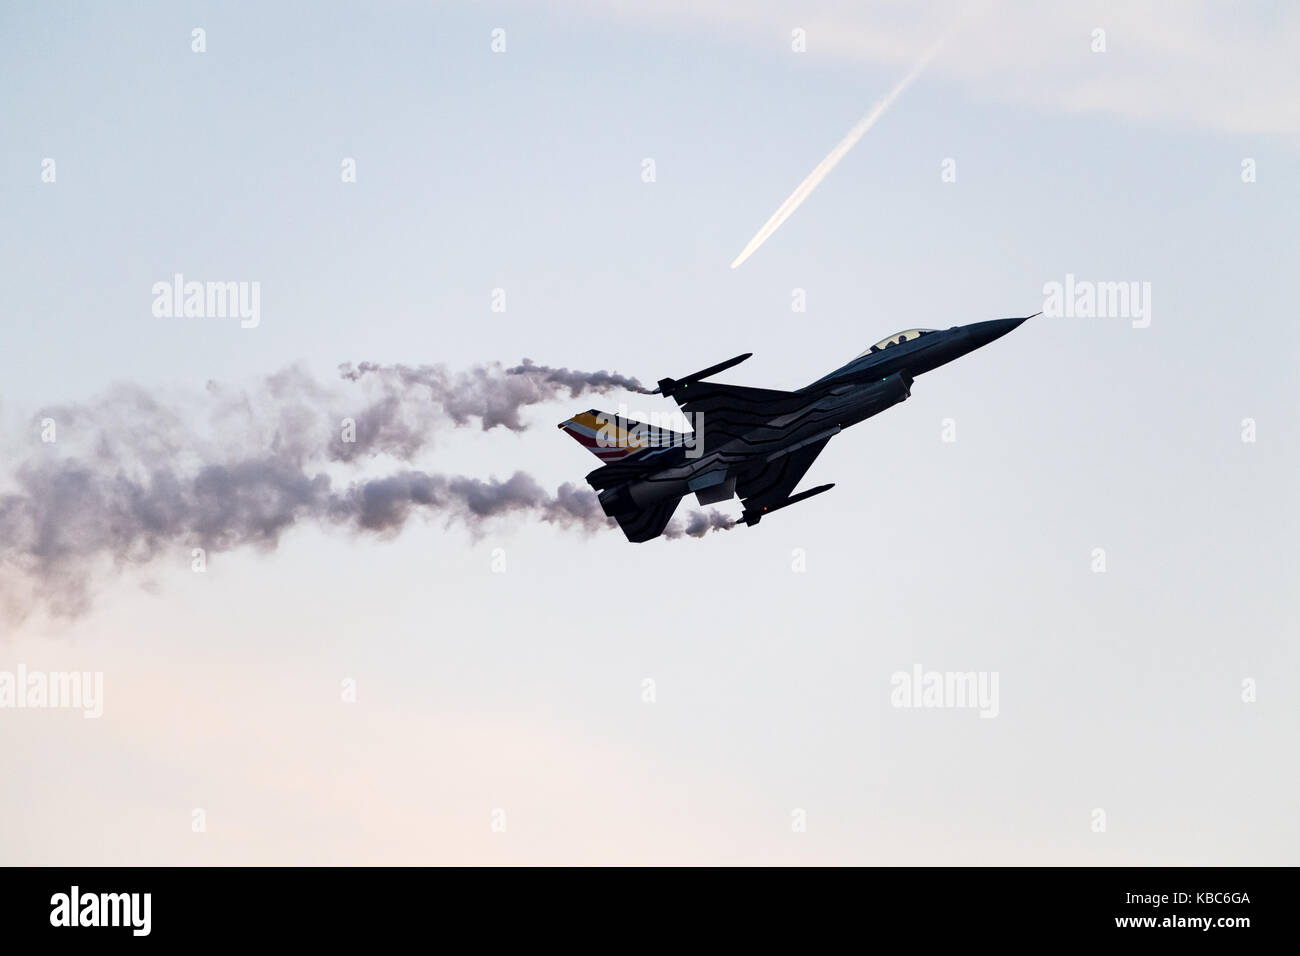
pixel 699 523
pixel 488 393
pixel 135 477
pixel 577 382
pixel 841 149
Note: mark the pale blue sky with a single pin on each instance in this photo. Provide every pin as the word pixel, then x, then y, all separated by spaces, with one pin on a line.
pixel 522 171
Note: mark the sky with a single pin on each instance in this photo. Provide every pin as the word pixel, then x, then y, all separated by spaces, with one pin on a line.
pixel 501 710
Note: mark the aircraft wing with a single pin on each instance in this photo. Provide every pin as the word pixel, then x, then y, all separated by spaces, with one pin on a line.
pixel 713 394
pixel 727 411
pixel 772 486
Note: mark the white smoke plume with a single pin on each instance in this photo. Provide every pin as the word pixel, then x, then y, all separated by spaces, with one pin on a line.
pixel 699 523
pixel 135 476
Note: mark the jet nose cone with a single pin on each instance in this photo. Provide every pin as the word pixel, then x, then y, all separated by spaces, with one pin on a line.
pixel 982 333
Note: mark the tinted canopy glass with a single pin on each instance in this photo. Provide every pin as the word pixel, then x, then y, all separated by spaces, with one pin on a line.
pixel 896 339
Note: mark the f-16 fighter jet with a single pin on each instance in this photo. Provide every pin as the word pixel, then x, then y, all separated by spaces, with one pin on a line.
pixel 756 443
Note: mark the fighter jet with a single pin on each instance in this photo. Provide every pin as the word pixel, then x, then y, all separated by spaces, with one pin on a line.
pixel 755 443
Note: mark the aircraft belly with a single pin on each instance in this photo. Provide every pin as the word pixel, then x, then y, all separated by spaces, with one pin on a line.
pixel 716 491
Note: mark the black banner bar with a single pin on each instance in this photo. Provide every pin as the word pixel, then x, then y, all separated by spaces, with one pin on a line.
pixel 1159 906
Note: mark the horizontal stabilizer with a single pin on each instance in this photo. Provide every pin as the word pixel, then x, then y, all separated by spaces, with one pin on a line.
pixel 648 523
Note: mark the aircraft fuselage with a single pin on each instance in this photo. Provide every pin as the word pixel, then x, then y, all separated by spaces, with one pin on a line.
pixel 758 442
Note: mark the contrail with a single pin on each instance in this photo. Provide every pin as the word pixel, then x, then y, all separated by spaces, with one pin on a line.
pixel 134 477
pixel 841 149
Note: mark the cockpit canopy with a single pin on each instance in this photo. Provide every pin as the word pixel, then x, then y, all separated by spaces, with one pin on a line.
pixel 897 339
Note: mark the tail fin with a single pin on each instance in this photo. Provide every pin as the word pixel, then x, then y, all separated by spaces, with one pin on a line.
pixel 612 438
